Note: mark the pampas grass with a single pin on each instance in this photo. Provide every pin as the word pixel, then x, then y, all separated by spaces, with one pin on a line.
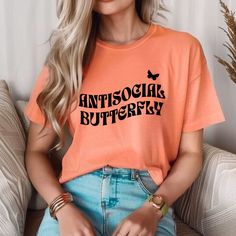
pixel 230 21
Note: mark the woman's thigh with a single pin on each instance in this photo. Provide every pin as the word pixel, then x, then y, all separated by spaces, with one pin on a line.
pixel 107 196
pixel 167 225
pixel 85 190
pixel 129 194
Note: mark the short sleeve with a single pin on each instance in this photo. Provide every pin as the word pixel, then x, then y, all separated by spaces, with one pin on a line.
pixel 32 110
pixel 202 106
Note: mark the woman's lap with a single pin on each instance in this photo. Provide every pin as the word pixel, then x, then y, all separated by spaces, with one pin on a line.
pixel 107 196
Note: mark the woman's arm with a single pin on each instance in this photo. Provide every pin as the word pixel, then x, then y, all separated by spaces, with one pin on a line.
pixel 185 169
pixel 182 174
pixel 37 162
pixel 71 220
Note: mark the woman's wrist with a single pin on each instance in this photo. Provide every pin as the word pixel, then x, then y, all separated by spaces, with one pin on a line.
pixel 61 214
pixel 59 202
pixel 157 212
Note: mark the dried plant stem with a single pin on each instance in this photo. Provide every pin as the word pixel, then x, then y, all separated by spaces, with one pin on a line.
pixel 230 21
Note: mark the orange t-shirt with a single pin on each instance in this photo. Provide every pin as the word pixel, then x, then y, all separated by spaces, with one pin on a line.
pixel 136 100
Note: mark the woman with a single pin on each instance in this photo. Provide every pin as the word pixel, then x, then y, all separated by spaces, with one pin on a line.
pixel 136 97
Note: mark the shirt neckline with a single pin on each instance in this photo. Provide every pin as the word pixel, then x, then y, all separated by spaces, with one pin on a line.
pixel 150 31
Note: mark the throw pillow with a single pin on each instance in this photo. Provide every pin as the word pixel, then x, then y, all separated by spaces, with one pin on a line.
pixel 15 186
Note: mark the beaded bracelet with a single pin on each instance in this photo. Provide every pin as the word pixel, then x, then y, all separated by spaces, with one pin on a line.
pixel 58 203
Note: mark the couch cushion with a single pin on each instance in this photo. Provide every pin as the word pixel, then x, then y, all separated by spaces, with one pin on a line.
pixel 15 186
pixel 209 205
pixel 184 230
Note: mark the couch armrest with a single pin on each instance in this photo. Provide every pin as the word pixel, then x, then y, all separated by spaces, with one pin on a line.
pixel 209 205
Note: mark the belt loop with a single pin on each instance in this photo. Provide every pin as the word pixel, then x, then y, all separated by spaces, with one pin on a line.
pixel 107 170
pixel 133 174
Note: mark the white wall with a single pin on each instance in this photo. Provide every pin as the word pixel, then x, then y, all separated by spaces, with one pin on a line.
pixel 202 18
pixel 25 25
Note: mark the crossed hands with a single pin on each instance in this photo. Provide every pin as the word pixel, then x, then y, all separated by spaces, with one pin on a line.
pixel 141 222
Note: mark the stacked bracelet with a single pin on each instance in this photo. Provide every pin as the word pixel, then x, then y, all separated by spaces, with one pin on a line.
pixel 59 202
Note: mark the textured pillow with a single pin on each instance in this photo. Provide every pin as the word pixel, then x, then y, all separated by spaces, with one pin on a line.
pixel 37 202
pixel 209 205
pixel 15 189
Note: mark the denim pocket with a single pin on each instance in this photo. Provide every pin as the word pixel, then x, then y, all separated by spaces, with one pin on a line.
pixel 145 182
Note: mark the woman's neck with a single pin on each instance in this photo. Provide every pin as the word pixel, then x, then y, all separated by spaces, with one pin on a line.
pixel 123 27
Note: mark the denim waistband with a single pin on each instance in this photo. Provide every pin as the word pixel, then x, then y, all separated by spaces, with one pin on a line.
pixel 129 173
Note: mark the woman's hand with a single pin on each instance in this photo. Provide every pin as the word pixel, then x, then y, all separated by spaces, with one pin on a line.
pixel 142 222
pixel 73 221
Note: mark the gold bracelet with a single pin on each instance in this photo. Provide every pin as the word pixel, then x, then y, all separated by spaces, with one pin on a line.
pixel 158 202
pixel 60 198
pixel 58 203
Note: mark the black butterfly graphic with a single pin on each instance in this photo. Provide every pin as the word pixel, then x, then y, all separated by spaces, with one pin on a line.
pixel 152 76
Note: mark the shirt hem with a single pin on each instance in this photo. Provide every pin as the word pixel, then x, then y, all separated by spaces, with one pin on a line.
pixel 156 174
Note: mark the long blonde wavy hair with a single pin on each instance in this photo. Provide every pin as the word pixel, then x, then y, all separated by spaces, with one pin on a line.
pixel 72 46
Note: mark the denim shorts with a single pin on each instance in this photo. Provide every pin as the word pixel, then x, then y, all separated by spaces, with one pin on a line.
pixel 106 196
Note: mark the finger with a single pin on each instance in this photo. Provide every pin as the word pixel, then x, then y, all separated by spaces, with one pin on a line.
pixel 135 232
pixel 94 231
pixel 89 232
pixel 124 231
pixel 121 234
pixel 115 232
pixel 143 233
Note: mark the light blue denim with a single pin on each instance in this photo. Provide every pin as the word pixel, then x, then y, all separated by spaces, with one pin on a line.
pixel 108 195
